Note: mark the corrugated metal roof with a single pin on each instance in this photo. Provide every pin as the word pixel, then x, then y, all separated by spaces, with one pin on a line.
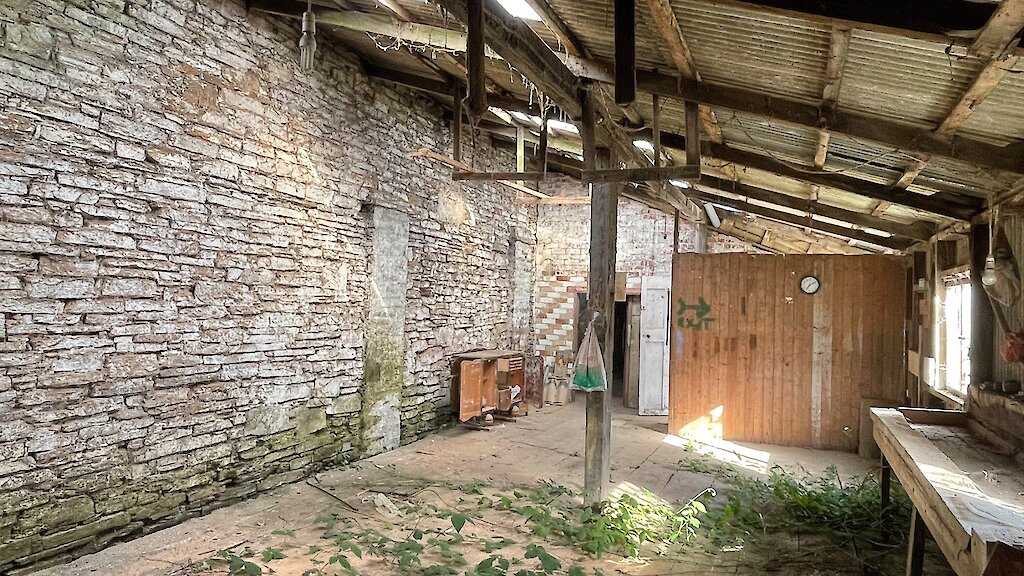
pixel 735 46
pixel 887 74
pixel 903 78
pixel 1000 117
pixel 593 23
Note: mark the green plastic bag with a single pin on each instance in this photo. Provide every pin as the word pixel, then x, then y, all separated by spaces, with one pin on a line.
pixel 588 372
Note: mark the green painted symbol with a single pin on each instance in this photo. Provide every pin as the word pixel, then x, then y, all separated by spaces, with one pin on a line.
pixel 694 316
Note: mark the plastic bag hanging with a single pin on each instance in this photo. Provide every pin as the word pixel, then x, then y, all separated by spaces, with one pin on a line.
pixel 588 372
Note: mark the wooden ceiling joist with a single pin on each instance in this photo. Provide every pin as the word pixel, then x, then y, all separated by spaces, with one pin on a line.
pixel 958 208
pixel 1001 29
pixel 566 36
pixel 514 41
pixel 839 44
pixel 890 242
pixel 998 32
pixel 888 132
pixel 916 231
pixel 986 81
pixel 664 19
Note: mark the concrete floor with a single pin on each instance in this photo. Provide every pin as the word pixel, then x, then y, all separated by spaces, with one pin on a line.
pixel 547 444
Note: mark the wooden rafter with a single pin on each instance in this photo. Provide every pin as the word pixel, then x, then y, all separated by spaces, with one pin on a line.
pixel 805 221
pixel 839 44
pixel 918 231
pixel 986 81
pixel 892 133
pixel 944 205
pixel 569 39
pixel 912 172
pixel 664 19
pixel 526 52
pixel 1004 25
pixel 1001 29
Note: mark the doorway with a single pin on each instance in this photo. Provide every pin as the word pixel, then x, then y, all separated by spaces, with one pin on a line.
pixel 619 350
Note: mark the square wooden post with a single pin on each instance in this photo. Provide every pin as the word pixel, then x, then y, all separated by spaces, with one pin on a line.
pixel 601 302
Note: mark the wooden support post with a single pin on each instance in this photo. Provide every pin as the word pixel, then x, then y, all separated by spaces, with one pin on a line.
pixel 475 59
pixel 457 124
pixel 675 233
pixel 588 130
pixel 915 544
pixel 656 103
pixel 982 347
pixel 692 133
pixel 601 300
pixel 625 52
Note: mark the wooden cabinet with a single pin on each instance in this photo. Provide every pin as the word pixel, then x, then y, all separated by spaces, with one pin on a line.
pixel 483 382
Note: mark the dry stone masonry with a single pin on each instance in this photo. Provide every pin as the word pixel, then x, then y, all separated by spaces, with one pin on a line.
pixel 218 274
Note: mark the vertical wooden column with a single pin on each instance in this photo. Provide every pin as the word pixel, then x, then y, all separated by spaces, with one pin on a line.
pixel 601 301
pixel 625 52
pixel 475 59
pixel 457 99
pixel 982 349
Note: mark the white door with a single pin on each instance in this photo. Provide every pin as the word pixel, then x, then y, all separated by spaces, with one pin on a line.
pixel 654 309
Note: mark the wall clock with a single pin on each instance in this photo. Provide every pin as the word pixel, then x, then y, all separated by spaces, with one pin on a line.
pixel 810 285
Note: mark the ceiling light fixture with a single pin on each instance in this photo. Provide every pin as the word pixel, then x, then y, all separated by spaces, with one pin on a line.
pixel 307 43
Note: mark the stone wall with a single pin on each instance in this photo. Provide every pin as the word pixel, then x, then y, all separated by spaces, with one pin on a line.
pixel 218 274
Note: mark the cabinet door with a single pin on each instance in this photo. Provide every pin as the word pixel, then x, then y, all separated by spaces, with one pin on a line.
pixel 471 377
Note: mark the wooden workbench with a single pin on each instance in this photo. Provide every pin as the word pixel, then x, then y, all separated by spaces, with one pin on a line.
pixel 966 495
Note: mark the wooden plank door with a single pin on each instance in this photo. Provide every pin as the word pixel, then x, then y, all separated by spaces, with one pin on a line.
pixel 470 388
pixel 654 305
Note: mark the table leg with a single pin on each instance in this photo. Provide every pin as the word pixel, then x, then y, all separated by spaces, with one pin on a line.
pixel 886 491
pixel 915 544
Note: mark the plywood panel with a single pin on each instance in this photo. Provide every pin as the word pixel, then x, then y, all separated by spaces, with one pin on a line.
pixel 756 359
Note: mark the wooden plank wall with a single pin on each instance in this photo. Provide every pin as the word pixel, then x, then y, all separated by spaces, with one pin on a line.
pixel 779 366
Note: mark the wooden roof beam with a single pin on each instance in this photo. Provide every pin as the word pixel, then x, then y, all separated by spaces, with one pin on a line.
pixel 944 205
pixel 998 32
pixel 889 132
pixel 1002 28
pixel 839 44
pixel 806 222
pixel 526 52
pixel 917 231
pixel 664 19
pixel 958 208
pixel 559 28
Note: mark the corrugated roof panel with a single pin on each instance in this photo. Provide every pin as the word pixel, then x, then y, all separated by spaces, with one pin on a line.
pixel 903 78
pixel 593 23
pixel 737 46
pixel 794 143
pixel 1000 117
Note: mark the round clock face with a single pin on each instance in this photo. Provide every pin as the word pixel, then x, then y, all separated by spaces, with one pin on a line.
pixel 810 284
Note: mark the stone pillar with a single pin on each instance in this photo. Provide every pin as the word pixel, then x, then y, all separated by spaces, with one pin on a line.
pixel 384 359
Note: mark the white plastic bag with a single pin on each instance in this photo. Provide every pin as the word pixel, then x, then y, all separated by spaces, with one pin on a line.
pixel 588 372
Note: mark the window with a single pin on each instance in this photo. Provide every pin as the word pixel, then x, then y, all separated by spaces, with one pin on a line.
pixel 957 337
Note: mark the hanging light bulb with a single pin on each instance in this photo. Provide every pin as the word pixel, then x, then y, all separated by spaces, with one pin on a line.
pixel 989 276
pixel 307 43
